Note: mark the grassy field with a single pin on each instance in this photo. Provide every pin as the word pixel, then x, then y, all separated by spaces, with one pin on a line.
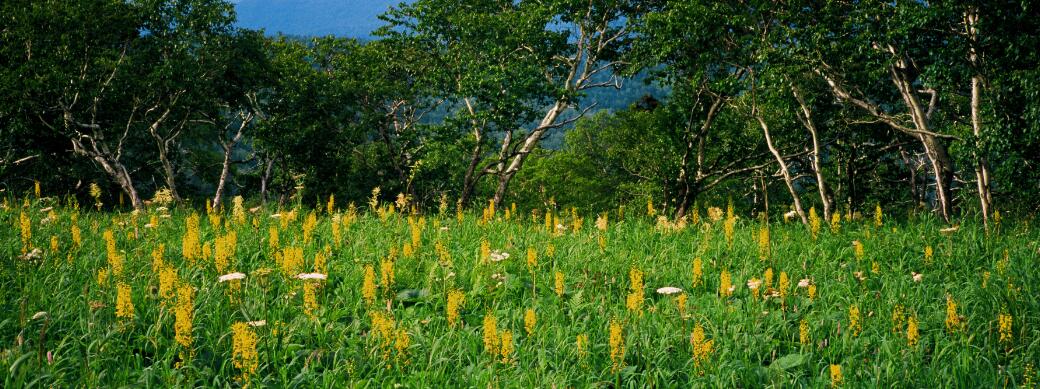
pixel 509 299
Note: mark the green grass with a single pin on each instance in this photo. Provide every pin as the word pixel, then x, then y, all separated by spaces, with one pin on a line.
pixel 756 342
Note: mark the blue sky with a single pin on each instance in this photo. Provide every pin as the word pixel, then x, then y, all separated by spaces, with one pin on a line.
pixel 350 18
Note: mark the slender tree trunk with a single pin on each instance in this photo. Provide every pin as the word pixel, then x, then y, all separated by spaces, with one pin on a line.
pixel 472 176
pixel 689 188
pixel 810 125
pixel 935 149
pixel 981 165
pixel 506 174
pixel 971 18
pixel 783 169
pixel 265 179
pixel 225 167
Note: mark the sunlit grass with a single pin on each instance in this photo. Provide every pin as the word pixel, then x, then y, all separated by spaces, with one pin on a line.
pixel 407 299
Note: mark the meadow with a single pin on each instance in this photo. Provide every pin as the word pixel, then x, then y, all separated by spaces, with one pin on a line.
pixel 333 295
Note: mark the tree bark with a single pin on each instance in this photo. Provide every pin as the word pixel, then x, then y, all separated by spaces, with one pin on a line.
pixel 225 169
pixel 783 168
pixel 507 172
pixel 981 166
pixel 163 144
pixel 688 190
pixel 807 121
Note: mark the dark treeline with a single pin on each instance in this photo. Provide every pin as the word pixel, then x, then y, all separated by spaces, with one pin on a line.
pixel 833 105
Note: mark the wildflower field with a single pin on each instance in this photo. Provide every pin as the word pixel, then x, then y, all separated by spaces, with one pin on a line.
pixel 333 296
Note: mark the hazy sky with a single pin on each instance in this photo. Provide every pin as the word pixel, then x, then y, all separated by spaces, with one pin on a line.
pixel 352 18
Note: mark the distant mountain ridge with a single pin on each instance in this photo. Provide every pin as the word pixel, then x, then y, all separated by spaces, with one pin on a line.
pixel 346 18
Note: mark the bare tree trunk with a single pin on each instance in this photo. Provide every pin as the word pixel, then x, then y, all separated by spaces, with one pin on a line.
pixel 688 190
pixel 225 169
pixel 506 173
pixel 810 125
pixel 265 178
pixel 971 18
pixel 912 168
pixel 783 169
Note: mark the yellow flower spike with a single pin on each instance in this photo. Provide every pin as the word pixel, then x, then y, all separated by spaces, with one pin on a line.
pixel 698 272
pixel 726 287
pixel 530 321
pixel 803 332
pixel 26 229
pixel 913 334
pixel 558 285
pixel 456 299
pixel 953 321
pixel 183 315
pixel 836 377
pixel 244 355
pixel 702 346
pixel 617 346
pixel 124 303
pixel 506 352
pixel 854 320
pixel 581 346
pixel 634 302
pixel 814 223
pixel 368 285
pixel 490 334
pixel 1004 323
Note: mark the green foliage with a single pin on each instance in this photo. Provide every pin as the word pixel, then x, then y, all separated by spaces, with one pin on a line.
pixel 55 306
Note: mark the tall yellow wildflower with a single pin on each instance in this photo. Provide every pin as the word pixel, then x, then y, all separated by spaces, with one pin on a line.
pixel 167 282
pixel 764 251
pixel 368 285
pixel 725 284
pixel 77 238
pixel 854 320
pixel 913 334
pixel 803 332
pixel 455 301
pixel 835 222
pixel 878 216
pixel 244 355
pixel 532 259
pixel 191 246
pixel 238 211
pixel 506 350
pixel 224 250
pixel 183 315
pixel 558 284
pixel 814 223
pixel 698 272
pixel 530 321
pixel 310 298
pixel 1004 327
pixel 953 322
pixel 490 332
pixel 857 248
pixel 581 346
pixel 309 224
pixel 617 345
pixel 836 377
pixel 783 285
pixel 897 318
pixel 386 272
pixel 485 251
pixel 26 229
pixel 124 304
pixel 634 302
pixel 272 238
pixel 115 261
pixel 702 346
